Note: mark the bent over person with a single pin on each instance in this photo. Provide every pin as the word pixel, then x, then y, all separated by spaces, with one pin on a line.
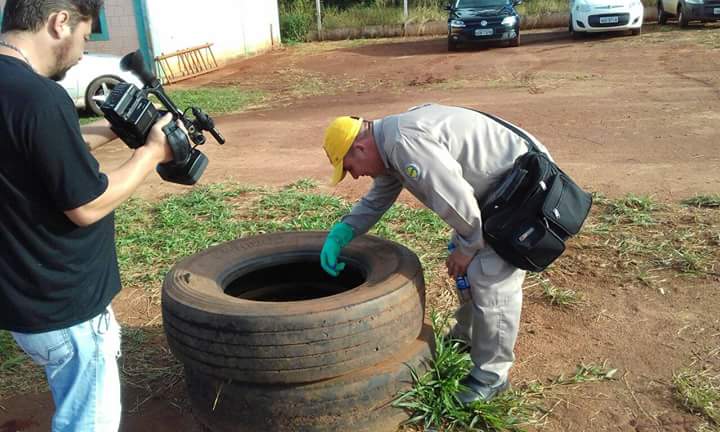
pixel 449 158
pixel 58 266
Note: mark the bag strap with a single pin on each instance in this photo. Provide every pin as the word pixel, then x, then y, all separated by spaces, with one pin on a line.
pixel 529 141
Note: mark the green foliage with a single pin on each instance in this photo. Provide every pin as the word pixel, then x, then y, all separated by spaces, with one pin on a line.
pixel 296 19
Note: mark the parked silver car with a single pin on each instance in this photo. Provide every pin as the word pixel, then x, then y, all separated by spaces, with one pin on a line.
pixel 688 10
pixel 90 81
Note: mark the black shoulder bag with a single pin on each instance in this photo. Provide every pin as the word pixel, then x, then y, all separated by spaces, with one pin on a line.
pixel 533 210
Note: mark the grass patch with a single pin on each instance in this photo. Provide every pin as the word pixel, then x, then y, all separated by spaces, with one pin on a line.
pixel 215 100
pixel 212 100
pixel 632 210
pixel 552 294
pixel 698 390
pixel 147 363
pixel 156 235
pixel 647 237
pixel 706 201
pixel 10 354
pixel 18 374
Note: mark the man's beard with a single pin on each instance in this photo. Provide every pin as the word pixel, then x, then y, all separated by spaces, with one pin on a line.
pixel 62 62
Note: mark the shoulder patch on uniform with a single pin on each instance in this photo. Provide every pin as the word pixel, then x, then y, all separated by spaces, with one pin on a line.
pixel 412 171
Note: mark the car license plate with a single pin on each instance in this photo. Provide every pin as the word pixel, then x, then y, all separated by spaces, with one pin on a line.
pixel 716 11
pixel 609 20
pixel 483 32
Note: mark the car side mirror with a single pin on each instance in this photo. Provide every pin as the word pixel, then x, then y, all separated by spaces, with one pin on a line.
pixel 517 2
pixel 448 7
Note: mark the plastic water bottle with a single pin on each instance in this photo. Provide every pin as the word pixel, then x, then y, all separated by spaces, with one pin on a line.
pixel 461 282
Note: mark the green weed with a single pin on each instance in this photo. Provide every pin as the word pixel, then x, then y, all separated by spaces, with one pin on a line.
pixel 699 392
pixel 703 201
pixel 632 209
pixel 588 373
pixel 432 399
pixel 557 296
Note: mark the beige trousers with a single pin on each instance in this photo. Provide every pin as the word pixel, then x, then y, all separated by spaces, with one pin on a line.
pixel 491 320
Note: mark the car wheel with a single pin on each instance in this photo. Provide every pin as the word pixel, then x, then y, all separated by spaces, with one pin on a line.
pixel 97 92
pixel 662 16
pixel 515 41
pixel 261 309
pixel 682 17
pixel 452 45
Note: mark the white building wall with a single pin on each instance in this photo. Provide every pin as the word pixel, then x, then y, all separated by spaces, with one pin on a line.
pixel 234 27
pixel 122 29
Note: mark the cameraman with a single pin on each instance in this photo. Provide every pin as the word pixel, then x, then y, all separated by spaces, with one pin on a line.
pixel 58 267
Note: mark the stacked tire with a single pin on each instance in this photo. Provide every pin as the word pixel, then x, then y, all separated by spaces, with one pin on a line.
pixel 271 342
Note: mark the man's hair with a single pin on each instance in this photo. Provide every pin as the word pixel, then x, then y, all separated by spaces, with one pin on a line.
pixel 31 15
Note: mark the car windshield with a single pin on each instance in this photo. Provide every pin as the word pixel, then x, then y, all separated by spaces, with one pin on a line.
pixel 479 4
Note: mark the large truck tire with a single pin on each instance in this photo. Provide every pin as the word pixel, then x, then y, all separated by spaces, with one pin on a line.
pixel 360 401
pixel 262 310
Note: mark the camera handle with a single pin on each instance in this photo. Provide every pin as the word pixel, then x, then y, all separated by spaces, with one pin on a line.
pixel 178 142
pixel 188 163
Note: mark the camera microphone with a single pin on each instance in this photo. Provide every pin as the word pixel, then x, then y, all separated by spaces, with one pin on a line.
pixel 134 63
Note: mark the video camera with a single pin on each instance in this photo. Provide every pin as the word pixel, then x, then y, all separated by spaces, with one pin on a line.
pixel 132 115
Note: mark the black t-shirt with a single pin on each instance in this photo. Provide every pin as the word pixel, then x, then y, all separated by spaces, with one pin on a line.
pixel 53 274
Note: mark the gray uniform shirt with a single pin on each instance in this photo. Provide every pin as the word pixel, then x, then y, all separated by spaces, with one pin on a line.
pixel 448 158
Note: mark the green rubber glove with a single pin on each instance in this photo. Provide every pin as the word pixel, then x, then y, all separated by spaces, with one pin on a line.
pixel 339 236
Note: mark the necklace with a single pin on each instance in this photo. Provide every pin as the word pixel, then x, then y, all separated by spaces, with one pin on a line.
pixel 16 49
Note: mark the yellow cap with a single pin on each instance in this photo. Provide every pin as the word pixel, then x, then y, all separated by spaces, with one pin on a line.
pixel 339 137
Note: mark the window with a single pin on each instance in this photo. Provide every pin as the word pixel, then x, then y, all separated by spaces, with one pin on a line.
pixel 100 28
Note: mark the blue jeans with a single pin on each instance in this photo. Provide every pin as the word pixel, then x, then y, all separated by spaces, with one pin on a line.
pixel 81 367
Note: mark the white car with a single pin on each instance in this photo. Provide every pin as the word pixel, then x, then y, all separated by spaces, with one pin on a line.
pixel 91 80
pixel 606 15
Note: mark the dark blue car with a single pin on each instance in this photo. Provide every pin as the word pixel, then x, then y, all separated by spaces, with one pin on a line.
pixel 482 21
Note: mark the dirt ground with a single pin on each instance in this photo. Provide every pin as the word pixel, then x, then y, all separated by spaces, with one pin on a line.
pixel 620 114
